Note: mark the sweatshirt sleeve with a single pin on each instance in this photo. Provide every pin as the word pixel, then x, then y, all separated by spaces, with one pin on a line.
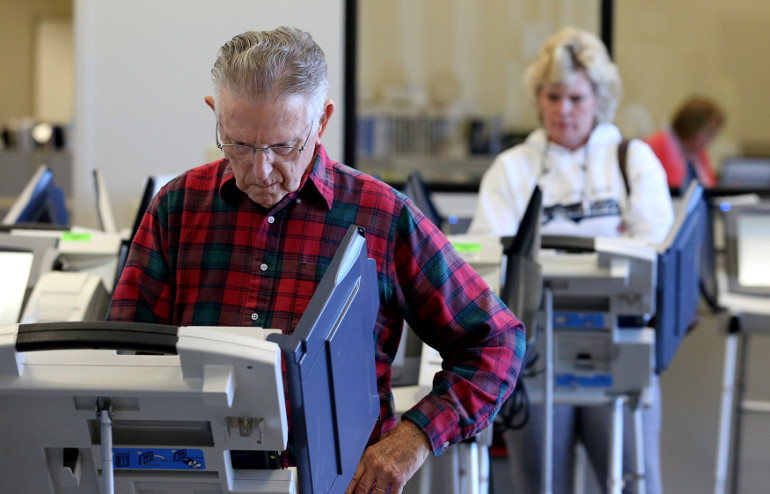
pixel 498 210
pixel 650 213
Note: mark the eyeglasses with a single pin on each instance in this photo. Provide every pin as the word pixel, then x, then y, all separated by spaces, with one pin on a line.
pixel 243 152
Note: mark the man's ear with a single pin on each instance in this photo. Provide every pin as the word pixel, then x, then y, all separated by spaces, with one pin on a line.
pixel 210 101
pixel 325 116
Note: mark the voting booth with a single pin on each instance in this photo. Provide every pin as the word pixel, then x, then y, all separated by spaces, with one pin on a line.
pixel 60 272
pixel 615 311
pixel 744 291
pixel 98 407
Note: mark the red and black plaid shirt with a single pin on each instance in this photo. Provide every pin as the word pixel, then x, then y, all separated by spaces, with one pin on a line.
pixel 205 255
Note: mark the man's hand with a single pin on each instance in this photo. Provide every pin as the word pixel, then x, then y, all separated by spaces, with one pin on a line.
pixel 386 465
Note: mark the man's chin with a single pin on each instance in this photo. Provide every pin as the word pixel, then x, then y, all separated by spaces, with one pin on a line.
pixel 266 201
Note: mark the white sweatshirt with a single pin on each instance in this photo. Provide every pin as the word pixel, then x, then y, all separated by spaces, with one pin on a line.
pixel 583 190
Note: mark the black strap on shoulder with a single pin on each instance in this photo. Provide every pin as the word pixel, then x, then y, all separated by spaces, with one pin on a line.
pixel 622 151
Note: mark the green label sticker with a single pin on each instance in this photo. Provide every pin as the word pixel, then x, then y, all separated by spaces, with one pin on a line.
pixel 467 246
pixel 75 237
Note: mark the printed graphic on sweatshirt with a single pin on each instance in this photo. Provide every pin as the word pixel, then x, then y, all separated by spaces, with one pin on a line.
pixel 577 212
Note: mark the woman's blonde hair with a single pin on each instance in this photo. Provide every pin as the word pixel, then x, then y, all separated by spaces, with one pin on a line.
pixel 569 52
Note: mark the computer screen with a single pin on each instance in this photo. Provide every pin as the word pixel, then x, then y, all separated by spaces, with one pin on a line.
pixel 709 287
pixel 747 244
pixel 753 247
pixel 44 249
pixel 679 268
pixel 745 172
pixel 522 281
pixel 417 190
pixel 41 201
pixel 103 206
pixel 16 267
pixel 152 186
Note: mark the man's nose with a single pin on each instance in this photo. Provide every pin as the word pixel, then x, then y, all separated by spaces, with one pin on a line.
pixel 261 164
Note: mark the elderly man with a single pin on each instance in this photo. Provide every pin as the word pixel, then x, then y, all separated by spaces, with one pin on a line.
pixel 245 240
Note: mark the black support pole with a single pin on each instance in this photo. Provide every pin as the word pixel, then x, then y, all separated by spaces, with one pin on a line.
pixel 607 20
pixel 350 53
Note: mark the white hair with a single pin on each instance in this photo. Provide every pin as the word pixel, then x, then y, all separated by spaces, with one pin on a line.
pixel 263 66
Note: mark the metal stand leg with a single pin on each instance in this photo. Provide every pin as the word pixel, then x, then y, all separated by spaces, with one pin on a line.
pixel 456 466
pixel 104 412
pixel 639 474
pixel 739 387
pixel 483 441
pixel 725 413
pixel 484 469
pixel 472 468
pixel 615 461
pixel 547 480
pixel 581 466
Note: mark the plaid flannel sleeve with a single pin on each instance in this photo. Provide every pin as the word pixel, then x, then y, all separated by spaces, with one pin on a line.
pixel 453 310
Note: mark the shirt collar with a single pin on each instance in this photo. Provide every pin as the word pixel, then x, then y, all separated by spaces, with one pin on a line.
pixel 322 176
pixel 319 182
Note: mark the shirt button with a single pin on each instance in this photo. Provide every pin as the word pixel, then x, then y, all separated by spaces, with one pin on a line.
pixel 271 219
pixel 263 267
pixel 446 444
pixel 254 316
pixel 299 201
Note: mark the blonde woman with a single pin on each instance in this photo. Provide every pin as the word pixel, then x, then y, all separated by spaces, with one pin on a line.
pixel 573 157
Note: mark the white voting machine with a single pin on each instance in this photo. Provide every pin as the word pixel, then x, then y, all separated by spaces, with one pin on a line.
pixel 90 407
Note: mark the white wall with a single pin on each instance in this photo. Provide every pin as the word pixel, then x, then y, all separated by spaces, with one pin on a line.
pixel 142 70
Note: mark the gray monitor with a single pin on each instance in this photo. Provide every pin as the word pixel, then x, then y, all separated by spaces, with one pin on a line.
pixel 329 359
pixel 103 205
pixel 745 172
pixel 41 201
pixel 747 244
pixel 679 274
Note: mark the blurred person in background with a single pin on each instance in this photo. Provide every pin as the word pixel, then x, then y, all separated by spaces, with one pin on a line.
pixel 681 148
pixel 573 158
